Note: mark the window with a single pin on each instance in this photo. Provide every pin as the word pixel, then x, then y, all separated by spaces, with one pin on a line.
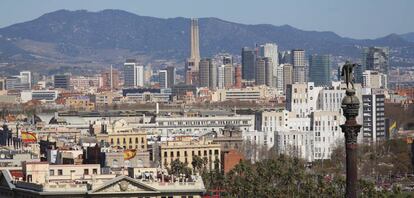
pixel 165 154
pixel 86 171
pixel 130 140
pixel 60 172
pixel 51 172
pixel 136 140
pixel 205 153
pixel 94 171
pixel 29 178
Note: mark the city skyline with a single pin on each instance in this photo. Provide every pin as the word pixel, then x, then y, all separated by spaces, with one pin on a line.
pixel 343 18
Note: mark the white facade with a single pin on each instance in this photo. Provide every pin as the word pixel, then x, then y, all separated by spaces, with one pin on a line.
pixel 85 82
pixel 41 95
pixel 326 133
pixel 374 79
pixel 301 98
pixel 199 125
pixel 261 138
pixel 26 78
pixel 312 111
pixel 220 77
pixel 163 79
pixel 133 75
pixel 295 143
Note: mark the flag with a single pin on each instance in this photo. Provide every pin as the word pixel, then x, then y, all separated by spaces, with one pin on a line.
pixel 29 137
pixel 129 154
pixel 393 128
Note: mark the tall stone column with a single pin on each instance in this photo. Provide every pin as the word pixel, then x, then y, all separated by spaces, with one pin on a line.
pixel 350 106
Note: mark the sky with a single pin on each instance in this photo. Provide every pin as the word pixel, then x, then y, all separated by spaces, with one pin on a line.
pixel 349 18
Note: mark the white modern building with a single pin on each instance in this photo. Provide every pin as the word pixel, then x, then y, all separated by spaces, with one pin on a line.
pixel 133 74
pixel 295 143
pixel 163 79
pixel 373 127
pixel 374 79
pixel 41 95
pixel 326 133
pixel 301 98
pixel 199 125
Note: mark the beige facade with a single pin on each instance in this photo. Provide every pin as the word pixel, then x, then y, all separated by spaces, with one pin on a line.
pixel 120 134
pixel 184 149
pixel 42 172
pixel 80 103
pixel 245 94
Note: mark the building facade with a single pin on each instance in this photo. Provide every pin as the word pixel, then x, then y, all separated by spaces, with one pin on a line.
pixel 320 70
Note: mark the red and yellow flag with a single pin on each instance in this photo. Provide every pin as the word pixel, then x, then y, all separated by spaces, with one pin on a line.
pixel 129 154
pixel 29 137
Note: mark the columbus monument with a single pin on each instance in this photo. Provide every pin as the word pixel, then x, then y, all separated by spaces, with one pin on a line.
pixel 350 106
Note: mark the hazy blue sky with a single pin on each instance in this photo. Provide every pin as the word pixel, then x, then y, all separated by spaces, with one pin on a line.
pixel 350 18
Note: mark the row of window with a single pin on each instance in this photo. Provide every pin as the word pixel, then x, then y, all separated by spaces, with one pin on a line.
pixel 210 152
pixel 130 140
pixel 60 171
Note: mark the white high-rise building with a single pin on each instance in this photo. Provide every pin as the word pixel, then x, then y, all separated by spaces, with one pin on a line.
pixel 374 79
pixel 312 118
pixel 373 126
pixel 220 77
pixel 326 132
pixel 270 50
pixel 133 74
pixel 26 78
pixel 301 98
pixel 163 78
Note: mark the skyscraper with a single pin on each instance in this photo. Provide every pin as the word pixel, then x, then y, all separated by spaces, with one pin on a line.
pixel 377 59
pixel 248 63
pixel 61 81
pixel 320 70
pixel 220 76
pixel 212 76
pixel 270 50
pixel 238 76
pixel 163 78
pixel 287 75
pixel 133 74
pixel 264 71
pixel 192 64
pixel 208 73
pixel 299 66
pixel 110 79
pixel 228 76
pixel 373 128
pixel 171 76
pixel 26 79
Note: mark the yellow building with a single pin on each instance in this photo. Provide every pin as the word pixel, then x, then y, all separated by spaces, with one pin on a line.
pixel 184 149
pixel 120 134
pixel 80 103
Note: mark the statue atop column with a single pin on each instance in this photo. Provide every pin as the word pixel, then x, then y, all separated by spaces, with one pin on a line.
pixel 347 72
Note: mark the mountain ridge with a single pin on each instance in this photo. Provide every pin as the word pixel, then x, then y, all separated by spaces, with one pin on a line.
pixel 113 35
